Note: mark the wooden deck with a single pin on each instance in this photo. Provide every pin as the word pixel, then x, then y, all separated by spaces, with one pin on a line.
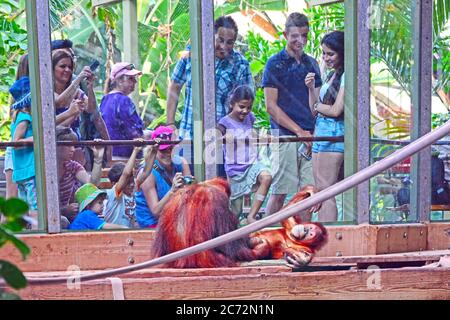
pixel 359 262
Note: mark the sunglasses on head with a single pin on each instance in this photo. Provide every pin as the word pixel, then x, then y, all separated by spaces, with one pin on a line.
pixel 128 67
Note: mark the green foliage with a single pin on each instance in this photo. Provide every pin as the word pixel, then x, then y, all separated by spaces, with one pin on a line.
pixel 12 211
pixel 391 40
pixel 322 20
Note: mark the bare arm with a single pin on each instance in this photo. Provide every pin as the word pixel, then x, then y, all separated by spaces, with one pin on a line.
pixel 149 158
pixel 149 189
pixel 66 97
pixel 127 171
pixel 313 92
pixel 334 110
pixel 98 162
pixel 92 102
pixel 172 101
pixel 67 117
pixel 19 134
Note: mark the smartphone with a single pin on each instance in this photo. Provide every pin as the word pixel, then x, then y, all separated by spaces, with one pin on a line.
pixel 94 65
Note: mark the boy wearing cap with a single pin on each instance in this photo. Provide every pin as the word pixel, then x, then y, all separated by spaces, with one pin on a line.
pixel 91 199
pixel 119 111
pixel 121 206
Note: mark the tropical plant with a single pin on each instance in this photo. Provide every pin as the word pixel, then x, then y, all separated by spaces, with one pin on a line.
pixel 391 40
pixel 322 20
pixel 13 211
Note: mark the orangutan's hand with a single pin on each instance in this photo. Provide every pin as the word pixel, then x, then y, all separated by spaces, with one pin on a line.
pixel 297 258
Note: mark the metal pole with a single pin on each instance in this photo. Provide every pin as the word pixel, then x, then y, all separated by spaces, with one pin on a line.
pixel 422 20
pixel 43 113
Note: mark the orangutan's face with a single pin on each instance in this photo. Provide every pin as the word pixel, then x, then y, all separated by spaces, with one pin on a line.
pixel 306 231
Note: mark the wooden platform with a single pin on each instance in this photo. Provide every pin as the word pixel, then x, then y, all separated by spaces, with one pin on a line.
pixel 359 262
pixel 270 280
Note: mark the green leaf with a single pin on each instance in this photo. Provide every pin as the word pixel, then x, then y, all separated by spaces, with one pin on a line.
pixel 14 207
pixel 12 275
pixel 19 244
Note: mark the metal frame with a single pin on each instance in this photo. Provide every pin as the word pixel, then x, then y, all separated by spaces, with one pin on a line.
pixel 357 101
pixel 41 78
pixel 357 107
pixel 203 84
pixel 421 110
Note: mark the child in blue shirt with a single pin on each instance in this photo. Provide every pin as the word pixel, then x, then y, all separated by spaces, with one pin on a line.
pixel 91 200
pixel 23 157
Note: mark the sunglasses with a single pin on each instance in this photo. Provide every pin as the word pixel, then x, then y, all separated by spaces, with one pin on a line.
pixel 165 136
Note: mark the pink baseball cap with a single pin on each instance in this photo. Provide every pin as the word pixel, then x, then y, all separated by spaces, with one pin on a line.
pixel 123 68
pixel 164 133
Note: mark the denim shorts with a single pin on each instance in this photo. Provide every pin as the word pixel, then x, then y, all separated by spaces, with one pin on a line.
pixel 328 127
pixel 8 160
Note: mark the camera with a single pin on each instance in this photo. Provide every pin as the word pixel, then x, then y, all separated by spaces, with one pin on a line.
pixel 94 65
pixel 187 180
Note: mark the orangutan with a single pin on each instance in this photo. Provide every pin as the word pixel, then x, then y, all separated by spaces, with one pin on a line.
pixel 297 242
pixel 200 212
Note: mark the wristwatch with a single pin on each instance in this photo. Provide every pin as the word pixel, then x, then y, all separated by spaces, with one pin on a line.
pixel 315 106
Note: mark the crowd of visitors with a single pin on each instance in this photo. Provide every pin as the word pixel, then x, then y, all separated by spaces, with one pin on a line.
pixel 143 181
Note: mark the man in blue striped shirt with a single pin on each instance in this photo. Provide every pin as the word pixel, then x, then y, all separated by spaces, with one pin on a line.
pixel 231 70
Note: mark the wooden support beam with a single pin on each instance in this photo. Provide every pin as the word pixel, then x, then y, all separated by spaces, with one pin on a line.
pixel 422 19
pixel 43 113
pixel 352 284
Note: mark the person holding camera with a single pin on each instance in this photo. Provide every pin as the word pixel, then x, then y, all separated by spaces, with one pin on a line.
pixel 169 174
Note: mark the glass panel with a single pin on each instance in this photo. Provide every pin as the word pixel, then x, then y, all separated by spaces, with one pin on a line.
pixel 260 37
pixel 17 169
pixel 391 56
pixel 440 165
pixel 106 37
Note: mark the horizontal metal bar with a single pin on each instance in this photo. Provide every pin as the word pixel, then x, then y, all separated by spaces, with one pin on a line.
pixel 405 142
pixel 264 140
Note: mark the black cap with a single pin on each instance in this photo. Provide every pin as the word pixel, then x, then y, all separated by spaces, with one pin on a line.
pixel 61 44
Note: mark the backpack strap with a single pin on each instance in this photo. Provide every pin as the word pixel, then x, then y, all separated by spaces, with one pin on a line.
pixel 163 174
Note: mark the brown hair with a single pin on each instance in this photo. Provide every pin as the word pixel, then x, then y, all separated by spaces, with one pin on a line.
pixel 65 134
pixel 58 55
pixel 22 68
pixel 296 19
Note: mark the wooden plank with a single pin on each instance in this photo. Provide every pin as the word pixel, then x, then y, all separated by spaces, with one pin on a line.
pixel 164 272
pixel 407 283
pixel 393 257
pixel 401 238
pixel 438 236
pixel 87 250
pixel 349 240
pixel 83 249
